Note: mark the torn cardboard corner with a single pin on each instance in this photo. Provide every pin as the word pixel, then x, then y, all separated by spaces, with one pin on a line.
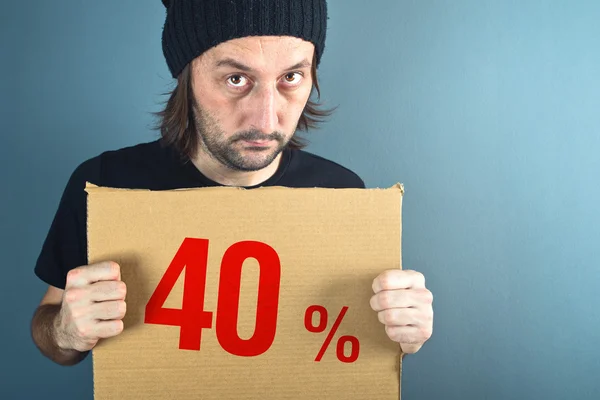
pixel 247 294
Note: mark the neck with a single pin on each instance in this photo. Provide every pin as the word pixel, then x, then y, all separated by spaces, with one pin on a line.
pixel 220 173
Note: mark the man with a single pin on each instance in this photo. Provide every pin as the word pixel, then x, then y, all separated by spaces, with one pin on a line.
pixel 245 71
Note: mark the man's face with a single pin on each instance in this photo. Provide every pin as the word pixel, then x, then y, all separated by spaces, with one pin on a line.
pixel 249 95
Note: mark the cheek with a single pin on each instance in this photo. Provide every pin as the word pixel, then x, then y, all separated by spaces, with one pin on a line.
pixel 210 99
pixel 223 110
pixel 295 104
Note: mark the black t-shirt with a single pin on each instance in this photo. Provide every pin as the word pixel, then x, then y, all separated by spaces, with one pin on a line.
pixel 155 166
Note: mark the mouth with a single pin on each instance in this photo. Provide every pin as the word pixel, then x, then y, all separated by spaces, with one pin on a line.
pixel 257 143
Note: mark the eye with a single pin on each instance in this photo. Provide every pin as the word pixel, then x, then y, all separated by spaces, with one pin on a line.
pixel 237 81
pixel 293 77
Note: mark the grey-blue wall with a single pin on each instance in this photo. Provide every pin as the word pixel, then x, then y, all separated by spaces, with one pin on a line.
pixel 487 111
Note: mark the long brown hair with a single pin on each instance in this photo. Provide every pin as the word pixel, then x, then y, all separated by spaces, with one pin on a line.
pixel 177 126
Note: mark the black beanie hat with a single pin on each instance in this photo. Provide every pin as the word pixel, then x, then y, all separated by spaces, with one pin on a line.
pixel 194 26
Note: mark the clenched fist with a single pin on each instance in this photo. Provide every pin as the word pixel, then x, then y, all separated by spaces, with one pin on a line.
pixel 404 306
pixel 92 308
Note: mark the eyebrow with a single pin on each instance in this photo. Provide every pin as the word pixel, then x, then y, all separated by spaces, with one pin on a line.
pixel 230 62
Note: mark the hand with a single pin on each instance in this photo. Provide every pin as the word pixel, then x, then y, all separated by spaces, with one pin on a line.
pixel 404 306
pixel 92 308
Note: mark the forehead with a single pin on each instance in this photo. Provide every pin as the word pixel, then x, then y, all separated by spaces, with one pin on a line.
pixel 259 52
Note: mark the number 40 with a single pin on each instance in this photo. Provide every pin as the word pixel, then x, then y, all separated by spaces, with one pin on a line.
pixel 192 317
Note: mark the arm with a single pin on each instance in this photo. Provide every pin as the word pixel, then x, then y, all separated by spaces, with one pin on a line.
pixel 44 332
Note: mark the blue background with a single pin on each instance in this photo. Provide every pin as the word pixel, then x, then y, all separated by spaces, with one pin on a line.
pixel 487 111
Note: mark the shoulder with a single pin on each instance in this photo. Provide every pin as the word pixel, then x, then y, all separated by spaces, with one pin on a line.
pixel 134 154
pixel 132 159
pixel 324 172
pixel 118 167
pixel 65 245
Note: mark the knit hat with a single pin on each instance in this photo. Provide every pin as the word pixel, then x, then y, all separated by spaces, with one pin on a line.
pixel 194 26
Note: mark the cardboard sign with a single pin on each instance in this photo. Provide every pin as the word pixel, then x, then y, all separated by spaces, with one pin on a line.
pixel 247 294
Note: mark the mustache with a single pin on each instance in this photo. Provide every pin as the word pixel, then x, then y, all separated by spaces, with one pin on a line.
pixel 255 135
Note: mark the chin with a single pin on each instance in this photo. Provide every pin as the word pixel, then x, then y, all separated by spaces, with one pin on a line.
pixel 254 160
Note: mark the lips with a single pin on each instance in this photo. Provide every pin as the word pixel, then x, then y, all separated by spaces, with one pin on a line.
pixel 257 142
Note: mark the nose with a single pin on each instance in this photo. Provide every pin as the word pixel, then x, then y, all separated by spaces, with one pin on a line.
pixel 264 112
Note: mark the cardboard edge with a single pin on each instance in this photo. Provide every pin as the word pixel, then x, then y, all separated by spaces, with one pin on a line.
pixel 90 188
pixel 89 185
pixel 400 361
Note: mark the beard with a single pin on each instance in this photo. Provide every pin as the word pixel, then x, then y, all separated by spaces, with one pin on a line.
pixel 224 150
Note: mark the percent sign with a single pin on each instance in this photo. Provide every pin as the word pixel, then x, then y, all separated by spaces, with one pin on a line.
pixel 322 311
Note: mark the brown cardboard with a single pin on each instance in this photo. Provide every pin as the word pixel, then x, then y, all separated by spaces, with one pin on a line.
pixel 330 245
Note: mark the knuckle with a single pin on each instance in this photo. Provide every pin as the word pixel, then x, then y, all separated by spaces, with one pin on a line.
pixel 73 295
pixel 98 288
pixel 394 333
pixel 105 289
pixel 122 309
pixel 115 309
pixel 380 283
pixel 373 302
pixel 419 275
pixel 390 332
pixel 122 288
pixel 427 332
pixel 428 296
pixel 385 300
pixel 110 309
pixel 429 316
pixel 387 278
pixel 73 274
pixel 389 317
pixel 118 327
pixel 416 276
pixel 425 295
pixel 81 331
pixel 76 314
pixel 114 267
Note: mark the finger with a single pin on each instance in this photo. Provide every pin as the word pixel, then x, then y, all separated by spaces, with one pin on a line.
pixel 107 290
pixel 87 274
pixel 108 310
pixel 106 329
pixel 398 279
pixel 400 317
pixel 402 298
pixel 408 334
